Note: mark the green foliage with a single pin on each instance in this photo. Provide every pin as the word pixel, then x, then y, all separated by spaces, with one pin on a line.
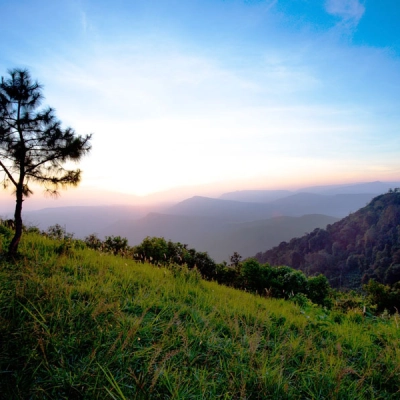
pixel 235 259
pixel 383 296
pixel 392 274
pixel 282 282
pixel 227 275
pixel 89 325
pixel 294 282
pixel 252 276
pixel 93 242
pixel 202 261
pixel 158 251
pixel 116 244
pixel 32 229
pixel 345 301
pixel 318 289
pixel 5 237
pixel 58 232
pixel 5 232
pixel 301 299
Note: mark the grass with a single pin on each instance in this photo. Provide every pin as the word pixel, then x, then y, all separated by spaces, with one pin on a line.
pixel 76 324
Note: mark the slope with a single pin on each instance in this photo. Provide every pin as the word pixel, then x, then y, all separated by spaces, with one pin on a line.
pixel 78 324
pixel 363 245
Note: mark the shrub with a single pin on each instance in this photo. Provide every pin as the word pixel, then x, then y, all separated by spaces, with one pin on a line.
pixel 383 296
pixel 116 244
pixel 58 232
pixel 318 289
pixel 92 241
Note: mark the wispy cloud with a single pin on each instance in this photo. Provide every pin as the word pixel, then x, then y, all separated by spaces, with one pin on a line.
pixel 84 21
pixel 349 11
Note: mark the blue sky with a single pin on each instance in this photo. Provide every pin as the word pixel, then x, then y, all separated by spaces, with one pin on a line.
pixel 217 93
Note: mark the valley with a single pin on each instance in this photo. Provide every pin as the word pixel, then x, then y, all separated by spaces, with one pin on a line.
pixel 247 221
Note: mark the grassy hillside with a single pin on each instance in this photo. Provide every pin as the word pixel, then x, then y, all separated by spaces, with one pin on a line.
pixel 76 324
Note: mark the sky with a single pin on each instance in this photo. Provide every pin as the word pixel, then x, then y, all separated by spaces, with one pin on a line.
pixel 216 95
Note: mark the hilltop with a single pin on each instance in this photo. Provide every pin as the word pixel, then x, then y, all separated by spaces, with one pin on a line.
pixel 364 245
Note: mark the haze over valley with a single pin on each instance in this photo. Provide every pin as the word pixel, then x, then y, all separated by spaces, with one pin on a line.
pixel 246 221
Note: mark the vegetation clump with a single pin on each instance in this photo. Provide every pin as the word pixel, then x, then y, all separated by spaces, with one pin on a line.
pixel 249 275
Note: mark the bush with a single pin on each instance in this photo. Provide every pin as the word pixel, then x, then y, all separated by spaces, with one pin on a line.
pixel 157 250
pixel 301 300
pixel 318 289
pixel 116 244
pixel 93 242
pixel 154 250
pixel 58 232
pixel 383 296
pixel 252 276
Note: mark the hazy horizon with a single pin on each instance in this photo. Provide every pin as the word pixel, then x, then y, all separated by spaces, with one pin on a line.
pixel 214 95
pixel 83 196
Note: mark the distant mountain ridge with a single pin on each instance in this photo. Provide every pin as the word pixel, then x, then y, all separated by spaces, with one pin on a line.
pixel 256 196
pixel 266 196
pixel 222 209
pixel 363 245
pixel 376 187
pixel 296 205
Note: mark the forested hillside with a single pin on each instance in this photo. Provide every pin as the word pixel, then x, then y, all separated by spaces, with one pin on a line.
pixel 350 252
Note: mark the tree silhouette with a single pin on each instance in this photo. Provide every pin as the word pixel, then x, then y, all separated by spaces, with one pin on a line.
pixel 33 146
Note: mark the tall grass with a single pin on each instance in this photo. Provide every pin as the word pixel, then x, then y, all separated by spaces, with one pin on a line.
pixel 76 324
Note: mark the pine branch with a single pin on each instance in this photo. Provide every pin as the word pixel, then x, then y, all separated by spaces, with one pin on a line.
pixel 5 169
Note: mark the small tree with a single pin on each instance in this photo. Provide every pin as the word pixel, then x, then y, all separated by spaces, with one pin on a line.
pixel 93 242
pixel 252 275
pixel 116 244
pixel 235 259
pixel 58 232
pixel 318 289
pixel 33 146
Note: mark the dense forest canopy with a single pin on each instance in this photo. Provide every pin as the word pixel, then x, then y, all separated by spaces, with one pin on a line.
pixel 363 246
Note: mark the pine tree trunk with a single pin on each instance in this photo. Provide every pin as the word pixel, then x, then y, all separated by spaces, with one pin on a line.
pixel 12 250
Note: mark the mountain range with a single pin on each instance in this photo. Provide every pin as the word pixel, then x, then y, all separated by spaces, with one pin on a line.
pixel 247 221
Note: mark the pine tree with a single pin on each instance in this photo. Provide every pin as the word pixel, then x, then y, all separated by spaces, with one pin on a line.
pixel 33 145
